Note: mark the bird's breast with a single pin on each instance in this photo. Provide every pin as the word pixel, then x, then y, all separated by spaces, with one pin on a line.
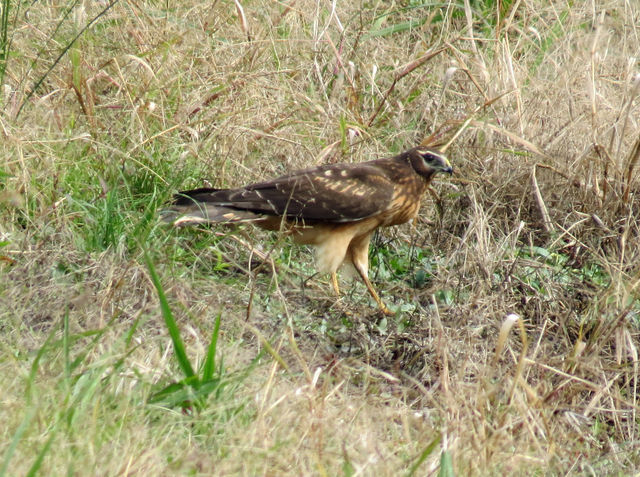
pixel 405 202
pixel 404 211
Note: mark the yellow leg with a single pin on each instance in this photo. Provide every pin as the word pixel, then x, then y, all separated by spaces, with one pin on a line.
pixel 373 292
pixel 334 282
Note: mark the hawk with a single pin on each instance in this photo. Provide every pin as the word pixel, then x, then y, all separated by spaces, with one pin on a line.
pixel 334 207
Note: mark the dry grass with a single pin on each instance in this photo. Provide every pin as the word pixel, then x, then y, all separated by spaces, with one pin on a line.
pixel 517 335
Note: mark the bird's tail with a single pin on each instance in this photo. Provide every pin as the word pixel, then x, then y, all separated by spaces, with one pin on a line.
pixel 192 207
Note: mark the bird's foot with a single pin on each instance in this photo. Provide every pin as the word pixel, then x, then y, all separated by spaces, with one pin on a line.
pixel 386 310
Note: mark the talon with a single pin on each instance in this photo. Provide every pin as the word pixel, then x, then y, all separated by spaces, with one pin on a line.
pixel 386 310
pixel 334 282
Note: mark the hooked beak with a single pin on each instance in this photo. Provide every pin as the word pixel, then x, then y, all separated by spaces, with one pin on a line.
pixel 446 166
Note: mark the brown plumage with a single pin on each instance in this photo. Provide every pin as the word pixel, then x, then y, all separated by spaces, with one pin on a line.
pixel 333 207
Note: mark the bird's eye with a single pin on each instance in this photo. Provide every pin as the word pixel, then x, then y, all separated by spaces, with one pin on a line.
pixel 428 156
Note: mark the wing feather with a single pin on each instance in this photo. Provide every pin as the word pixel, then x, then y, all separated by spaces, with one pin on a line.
pixel 327 193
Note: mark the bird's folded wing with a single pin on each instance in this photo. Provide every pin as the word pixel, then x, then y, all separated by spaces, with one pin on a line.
pixel 326 193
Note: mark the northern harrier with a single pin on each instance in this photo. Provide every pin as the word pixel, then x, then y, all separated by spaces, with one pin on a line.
pixel 334 207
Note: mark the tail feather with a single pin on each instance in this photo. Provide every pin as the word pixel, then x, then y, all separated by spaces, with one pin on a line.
pixel 189 197
pixel 198 213
pixel 195 207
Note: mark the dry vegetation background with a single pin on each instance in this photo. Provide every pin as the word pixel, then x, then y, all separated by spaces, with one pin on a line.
pixel 515 345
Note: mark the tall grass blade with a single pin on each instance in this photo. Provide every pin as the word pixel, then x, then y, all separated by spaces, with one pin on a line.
pixel 14 441
pixel 86 349
pixel 35 467
pixel 397 28
pixel 4 38
pixel 36 364
pixel 169 320
pixel 210 363
pixel 423 456
pixel 65 345
pixel 446 465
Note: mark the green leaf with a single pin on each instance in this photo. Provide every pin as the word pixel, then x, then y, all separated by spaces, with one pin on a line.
pixel 446 465
pixel 397 28
pixel 540 251
pixel 210 363
pixel 170 321
pixel 175 394
pixel 423 456
pixel 33 471
pixel 17 436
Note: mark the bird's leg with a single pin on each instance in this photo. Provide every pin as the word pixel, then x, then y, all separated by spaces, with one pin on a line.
pixel 334 282
pixel 372 291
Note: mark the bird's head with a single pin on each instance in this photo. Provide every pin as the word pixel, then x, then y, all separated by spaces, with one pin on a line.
pixel 428 161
